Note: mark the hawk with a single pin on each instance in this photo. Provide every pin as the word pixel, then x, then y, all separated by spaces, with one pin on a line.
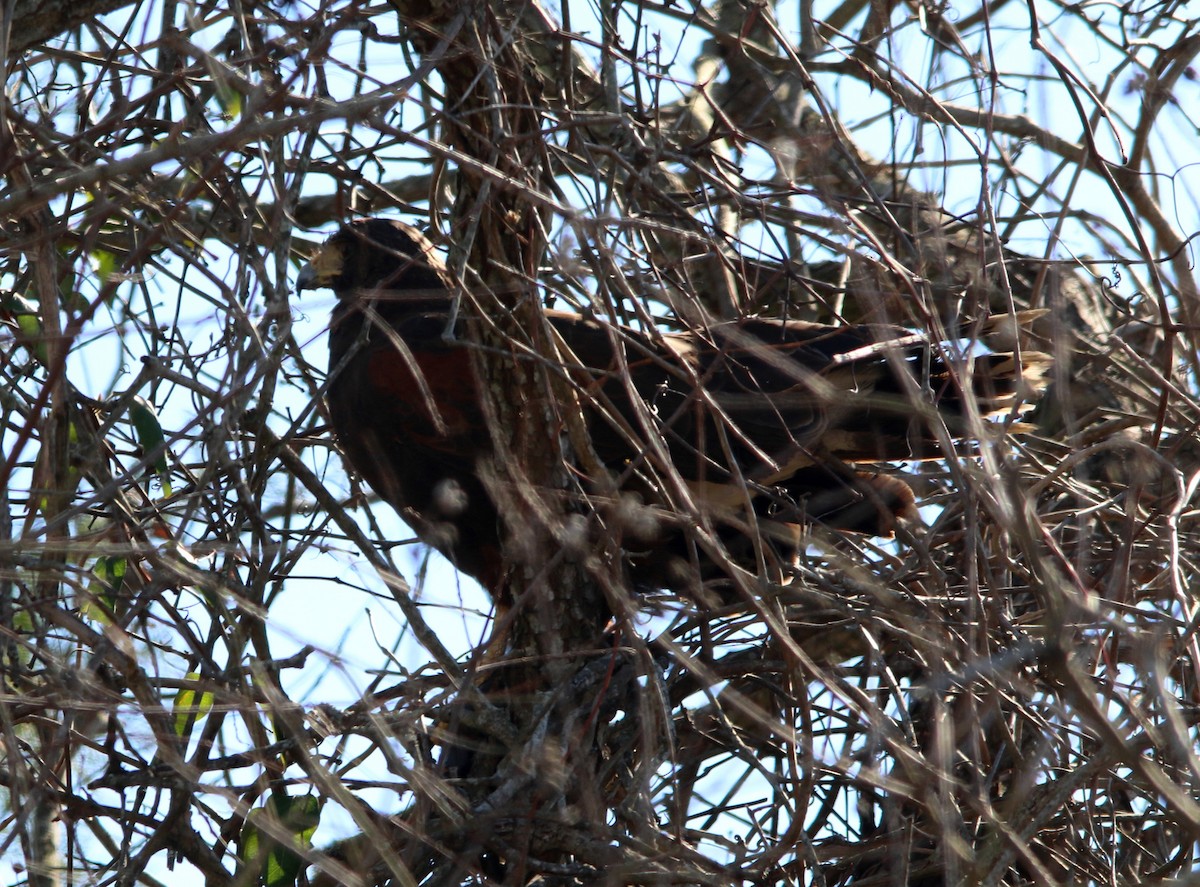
pixel 770 423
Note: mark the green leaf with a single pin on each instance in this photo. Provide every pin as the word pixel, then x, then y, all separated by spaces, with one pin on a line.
pixel 106 590
pixel 20 653
pixel 224 88
pixel 229 99
pixel 24 314
pixel 150 438
pixel 106 264
pixel 190 707
pixel 278 865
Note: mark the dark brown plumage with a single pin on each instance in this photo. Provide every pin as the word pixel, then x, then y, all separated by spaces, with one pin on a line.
pixel 767 412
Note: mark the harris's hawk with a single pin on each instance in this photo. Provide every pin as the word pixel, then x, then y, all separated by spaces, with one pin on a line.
pixel 768 422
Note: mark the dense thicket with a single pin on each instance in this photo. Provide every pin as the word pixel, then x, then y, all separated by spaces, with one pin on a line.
pixel 225 661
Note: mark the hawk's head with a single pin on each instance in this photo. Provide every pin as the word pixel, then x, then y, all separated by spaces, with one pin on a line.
pixel 374 254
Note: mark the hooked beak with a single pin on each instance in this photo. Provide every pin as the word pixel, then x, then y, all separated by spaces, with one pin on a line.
pixel 322 268
pixel 307 278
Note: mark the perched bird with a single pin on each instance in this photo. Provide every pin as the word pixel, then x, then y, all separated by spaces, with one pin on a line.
pixel 766 421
